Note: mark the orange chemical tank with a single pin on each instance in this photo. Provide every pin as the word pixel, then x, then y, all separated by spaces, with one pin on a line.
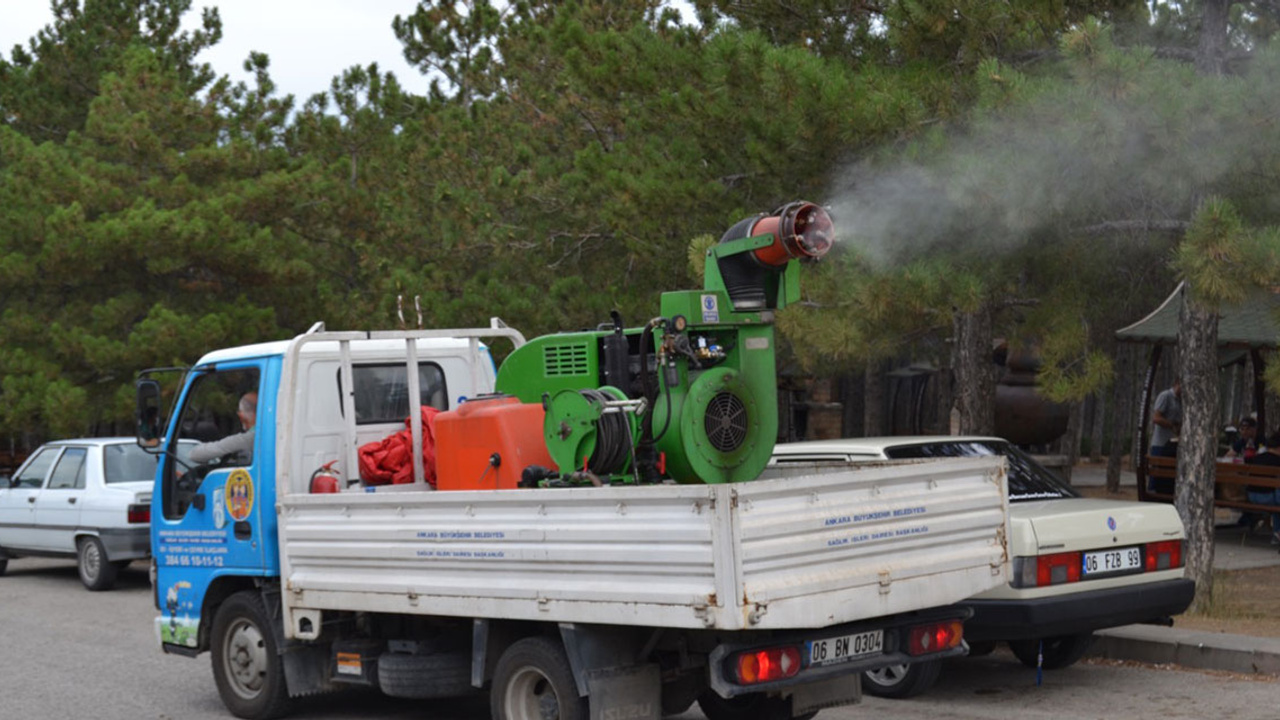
pixel 486 443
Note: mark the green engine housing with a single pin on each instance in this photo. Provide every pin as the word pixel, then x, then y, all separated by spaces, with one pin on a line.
pixel 705 368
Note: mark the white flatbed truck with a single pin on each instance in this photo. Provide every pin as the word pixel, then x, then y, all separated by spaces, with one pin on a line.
pixel 758 599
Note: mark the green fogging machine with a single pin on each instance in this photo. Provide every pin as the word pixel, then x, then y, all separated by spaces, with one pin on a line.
pixel 692 395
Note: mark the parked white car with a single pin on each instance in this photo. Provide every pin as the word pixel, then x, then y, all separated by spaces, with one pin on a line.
pixel 1077 564
pixel 88 499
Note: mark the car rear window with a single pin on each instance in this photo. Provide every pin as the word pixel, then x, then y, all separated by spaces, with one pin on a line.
pixel 127 462
pixel 1028 479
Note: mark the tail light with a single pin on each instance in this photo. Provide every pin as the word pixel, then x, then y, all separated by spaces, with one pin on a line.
pixel 760 666
pixel 936 637
pixel 139 513
pixel 1164 555
pixel 1044 570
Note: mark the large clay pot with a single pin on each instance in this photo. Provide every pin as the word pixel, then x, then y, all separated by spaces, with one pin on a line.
pixel 1023 415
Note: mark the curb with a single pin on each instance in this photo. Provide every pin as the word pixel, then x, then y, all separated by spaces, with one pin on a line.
pixel 1189 648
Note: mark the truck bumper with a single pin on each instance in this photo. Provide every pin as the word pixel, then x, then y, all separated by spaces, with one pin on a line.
pixel 126 543
pixel 897 629
pixel 1077 612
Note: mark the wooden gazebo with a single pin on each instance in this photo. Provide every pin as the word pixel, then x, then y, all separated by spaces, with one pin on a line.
pixel 1249 327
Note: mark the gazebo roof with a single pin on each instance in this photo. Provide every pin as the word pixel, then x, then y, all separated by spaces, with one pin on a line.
pixel 1251 323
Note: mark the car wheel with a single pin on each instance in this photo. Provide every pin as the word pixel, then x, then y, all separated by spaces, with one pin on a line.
pixel 752 706
pixel 96 571
pixel 4 565
pixel 901 681
pixel 246 663
pixel 533 681
pixel 1059 652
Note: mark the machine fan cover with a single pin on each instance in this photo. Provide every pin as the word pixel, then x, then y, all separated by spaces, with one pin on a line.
pixel 721 434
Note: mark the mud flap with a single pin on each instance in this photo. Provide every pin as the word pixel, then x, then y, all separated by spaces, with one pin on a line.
pixel 829 693
pixel 625 693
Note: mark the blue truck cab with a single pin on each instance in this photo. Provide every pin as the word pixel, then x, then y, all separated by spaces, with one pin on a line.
pixel 213 529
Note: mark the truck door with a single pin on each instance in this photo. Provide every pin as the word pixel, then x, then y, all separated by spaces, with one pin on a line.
pixel 205 515
pixel 57 514
pixel 18 502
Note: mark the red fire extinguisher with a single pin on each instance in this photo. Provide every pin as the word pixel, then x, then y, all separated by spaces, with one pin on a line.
pixel 325 479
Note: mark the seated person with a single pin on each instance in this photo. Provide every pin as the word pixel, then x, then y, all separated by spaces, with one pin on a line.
pixel 1246 445
pixel 238 446
pixel 1263 495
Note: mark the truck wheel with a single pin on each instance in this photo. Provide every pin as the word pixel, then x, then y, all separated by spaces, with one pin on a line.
pixel 95 571
pixel 1059 652
pixel 901 681
pixel 752 706
pixel 533 681
pixel 246 664
pixel 425 677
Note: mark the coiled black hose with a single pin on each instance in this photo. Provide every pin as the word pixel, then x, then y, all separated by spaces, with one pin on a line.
pixel 613 437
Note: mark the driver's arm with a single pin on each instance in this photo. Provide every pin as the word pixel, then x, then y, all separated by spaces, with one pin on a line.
pixel 240 443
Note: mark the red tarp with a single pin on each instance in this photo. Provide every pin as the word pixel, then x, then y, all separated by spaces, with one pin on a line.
pixel 390 460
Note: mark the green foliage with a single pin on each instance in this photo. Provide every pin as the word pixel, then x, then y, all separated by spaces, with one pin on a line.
pixel 46 87
pixel 1221 259
pixel 569 151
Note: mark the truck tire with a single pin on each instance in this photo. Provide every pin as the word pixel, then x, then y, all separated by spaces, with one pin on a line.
pixel 752 706
pixel 533 681
pixel 246 662
pixel 425 677
pixel 901 681
pixel 96 572
pixel 1059 652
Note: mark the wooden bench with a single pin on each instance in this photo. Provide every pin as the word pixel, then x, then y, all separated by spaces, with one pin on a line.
pixel 1229 482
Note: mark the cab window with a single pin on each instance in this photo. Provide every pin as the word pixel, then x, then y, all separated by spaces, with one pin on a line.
pixel 32 476
pixel 382 391
pixel 209 414
pixel 69 473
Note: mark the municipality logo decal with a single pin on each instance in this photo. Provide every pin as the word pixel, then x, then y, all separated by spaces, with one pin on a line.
pixel 1111 523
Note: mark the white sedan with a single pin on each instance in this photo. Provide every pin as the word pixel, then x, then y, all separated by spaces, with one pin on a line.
pixel 1077 564
pixel 88 499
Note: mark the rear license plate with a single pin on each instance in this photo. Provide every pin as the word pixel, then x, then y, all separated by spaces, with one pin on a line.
pixel 831 651
pixel 1109 561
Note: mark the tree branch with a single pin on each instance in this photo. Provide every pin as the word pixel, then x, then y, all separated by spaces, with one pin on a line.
pixel 1114 226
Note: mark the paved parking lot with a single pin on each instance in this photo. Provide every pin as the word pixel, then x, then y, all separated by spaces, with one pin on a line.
pixel 71 653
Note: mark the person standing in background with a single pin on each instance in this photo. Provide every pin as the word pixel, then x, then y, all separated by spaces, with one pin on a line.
pixel 1166 420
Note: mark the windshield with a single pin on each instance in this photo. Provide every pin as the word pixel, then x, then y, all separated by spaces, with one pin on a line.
pixel 1028 479
pixel 127 462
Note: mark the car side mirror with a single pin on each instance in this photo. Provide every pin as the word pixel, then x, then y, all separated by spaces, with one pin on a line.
pixel 148 413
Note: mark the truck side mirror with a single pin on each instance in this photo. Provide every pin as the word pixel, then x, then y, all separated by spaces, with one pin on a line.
pixel 148 416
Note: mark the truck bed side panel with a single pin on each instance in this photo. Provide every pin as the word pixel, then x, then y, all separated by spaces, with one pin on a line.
pixel 785 553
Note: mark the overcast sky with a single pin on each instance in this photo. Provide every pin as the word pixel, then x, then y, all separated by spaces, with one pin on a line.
pixel 309 41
